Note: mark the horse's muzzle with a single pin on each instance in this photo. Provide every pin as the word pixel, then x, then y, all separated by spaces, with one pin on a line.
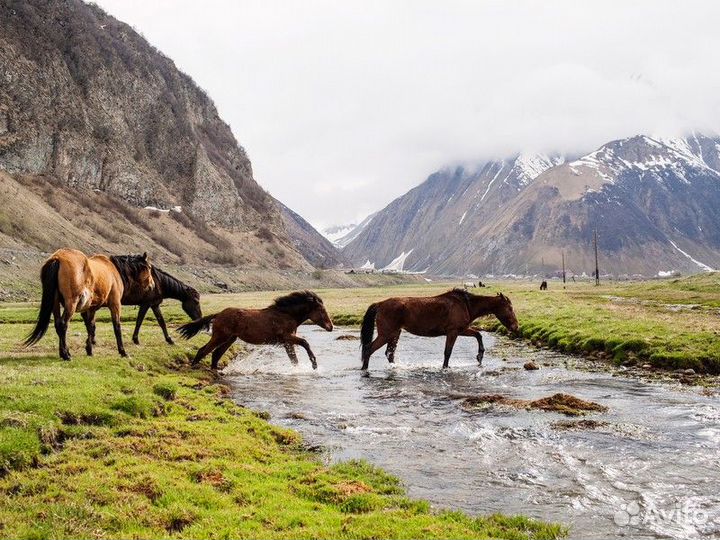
pixel 328 326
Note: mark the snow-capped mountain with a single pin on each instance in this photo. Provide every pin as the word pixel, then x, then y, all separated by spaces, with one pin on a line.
pixel 655 203
pixel 342 235
pixel 336 232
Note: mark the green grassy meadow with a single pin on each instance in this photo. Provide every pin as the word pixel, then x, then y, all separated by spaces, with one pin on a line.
pixel 146 447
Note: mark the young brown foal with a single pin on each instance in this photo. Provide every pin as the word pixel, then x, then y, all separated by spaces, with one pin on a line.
pixel 275 325
pixel 449 314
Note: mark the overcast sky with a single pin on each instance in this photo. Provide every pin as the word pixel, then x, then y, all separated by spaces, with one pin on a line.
pixel 344 105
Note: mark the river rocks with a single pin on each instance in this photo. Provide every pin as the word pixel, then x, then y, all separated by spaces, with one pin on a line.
pixel 531 366
pixel 562 403
pixel 347 337
pixel 577 425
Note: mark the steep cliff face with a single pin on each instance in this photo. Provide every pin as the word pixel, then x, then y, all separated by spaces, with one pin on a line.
pixel 86 104
pixel 655 204
pixel 89 101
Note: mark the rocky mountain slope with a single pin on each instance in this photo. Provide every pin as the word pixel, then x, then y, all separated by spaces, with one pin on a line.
pixel 117 150
pixel 655 204
pixel 317 249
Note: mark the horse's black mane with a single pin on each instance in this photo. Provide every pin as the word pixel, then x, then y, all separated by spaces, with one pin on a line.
pixel 297 303
pixel 129 266
pixel 462 294
pixel 171 286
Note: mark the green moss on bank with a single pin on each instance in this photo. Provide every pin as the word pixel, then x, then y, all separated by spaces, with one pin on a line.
pixel 146 447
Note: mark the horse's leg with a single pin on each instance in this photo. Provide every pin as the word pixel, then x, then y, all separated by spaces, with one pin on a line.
pixel 89 318
pixel 161 321
pixel 138 323
pixel 296 340
pixel 471 332
pixel 222 349
pixel 290 350
pixel 374 346
pixel 391 346
pixel 449 344
pixel 215 341
pixel 60 330
pixel 67 315
pixel 115 316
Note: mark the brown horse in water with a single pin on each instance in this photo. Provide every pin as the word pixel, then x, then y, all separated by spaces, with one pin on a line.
pixel 77 283
pixel 449 314
pixel 274 325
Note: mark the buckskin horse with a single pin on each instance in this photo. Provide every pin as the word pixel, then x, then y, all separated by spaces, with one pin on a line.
pixel 74 282
pixel 274 325
pixel 166 286
pixel 449 314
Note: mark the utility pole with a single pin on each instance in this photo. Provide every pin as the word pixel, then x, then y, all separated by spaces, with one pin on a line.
pixel 563 262
pixel 597 268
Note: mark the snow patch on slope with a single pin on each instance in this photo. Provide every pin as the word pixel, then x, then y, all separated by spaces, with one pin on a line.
pixel 704 266
pixel 530 166
pixel 502 166
pixel 398 262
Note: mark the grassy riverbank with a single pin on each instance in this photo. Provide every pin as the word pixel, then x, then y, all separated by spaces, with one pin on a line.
pixel 146 447
pixel 668 324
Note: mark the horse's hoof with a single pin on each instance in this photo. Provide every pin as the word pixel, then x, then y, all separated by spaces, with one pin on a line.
pixel 170 341
pixel 123 354
pixel 480 358
pixel 88 352
pixel 136 341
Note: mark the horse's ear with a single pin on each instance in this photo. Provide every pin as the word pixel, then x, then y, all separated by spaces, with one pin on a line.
pixel 144 256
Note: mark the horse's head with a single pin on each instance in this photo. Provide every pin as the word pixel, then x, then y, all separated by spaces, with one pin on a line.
pixel 505 314
pixel 191 304
pixel 319 315
pixel 144 272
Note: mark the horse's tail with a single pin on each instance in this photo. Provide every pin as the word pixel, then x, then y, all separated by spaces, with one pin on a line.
pixel 49 279
pixel 192 328
pixel 367 329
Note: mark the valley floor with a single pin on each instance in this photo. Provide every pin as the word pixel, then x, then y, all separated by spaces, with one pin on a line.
pixel 148 448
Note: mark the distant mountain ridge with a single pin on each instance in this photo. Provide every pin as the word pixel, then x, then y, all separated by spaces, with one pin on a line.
pixel 655 203
pixel 342 235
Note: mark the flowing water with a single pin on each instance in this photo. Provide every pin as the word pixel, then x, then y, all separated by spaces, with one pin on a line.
pixel 649 469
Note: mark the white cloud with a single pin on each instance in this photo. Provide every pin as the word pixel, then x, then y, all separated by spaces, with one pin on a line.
pixel 343 106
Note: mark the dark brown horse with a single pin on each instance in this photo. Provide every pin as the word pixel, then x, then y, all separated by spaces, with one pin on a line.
pixel 166 286
pixel 449 314
pixel 275 325
pixel 76 283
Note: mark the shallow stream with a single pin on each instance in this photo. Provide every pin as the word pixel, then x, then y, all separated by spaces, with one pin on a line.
pixel 649 468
